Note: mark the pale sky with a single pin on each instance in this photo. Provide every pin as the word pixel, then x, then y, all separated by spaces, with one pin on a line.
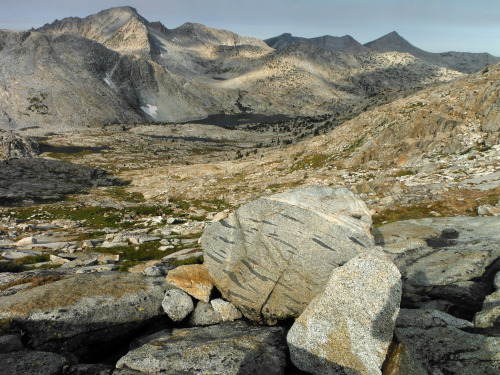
pixel 435 26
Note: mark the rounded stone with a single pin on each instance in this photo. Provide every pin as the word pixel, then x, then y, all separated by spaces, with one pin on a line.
pixel 177 304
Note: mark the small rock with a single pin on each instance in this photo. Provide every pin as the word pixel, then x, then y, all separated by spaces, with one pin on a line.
pixel 172 220
pixel 204 315
pixel 159 269
pixel 54 259
pixel 177 304
pixel 489 315
pixel 109 244
pixel 108 258
pixel 27 241
pixel 496 281
pixel 488 210
pixel 220 216
pixel 167 247
pixel 193 279
pixel 226 310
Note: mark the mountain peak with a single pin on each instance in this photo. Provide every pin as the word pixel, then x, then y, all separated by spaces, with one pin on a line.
pixel 393 42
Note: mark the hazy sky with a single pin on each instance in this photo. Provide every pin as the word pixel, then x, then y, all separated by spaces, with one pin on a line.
pixel 436 26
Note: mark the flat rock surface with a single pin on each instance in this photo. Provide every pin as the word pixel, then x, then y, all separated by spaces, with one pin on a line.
pixel 32 363
pixel 273 255
pixel 84 309
pixel 447 259
pixel 449 349
pixel 228 348
pixel 348 328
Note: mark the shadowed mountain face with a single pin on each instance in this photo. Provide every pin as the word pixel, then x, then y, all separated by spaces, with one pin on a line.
pixel 346 44
pixel 460 61
pixel 117 67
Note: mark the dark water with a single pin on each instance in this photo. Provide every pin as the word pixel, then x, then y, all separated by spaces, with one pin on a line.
pixel 70 149
pixel 239 119
pixel 186 139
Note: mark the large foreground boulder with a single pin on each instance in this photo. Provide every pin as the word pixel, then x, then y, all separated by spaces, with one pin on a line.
pixel 275 254
pixel 348 328
pixel 82 310
pixel 228 348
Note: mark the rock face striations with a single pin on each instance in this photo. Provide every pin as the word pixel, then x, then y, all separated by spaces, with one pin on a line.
pixel 273 255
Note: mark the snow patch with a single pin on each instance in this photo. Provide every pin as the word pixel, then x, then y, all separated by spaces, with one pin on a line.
pixel 150 110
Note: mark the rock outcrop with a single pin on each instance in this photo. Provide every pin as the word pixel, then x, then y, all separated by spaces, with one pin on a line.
pixel 37 179
pixel 447 349
pixel 348 328
pixel 489 316
pixel 228 348
pixel 82 310
pixel 13 146
pixel 274 255
pixel 446 263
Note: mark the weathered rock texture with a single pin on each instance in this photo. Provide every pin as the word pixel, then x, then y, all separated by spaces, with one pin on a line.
pixel 13 146
pixel 274 255
pixel 44 179
pixel 85 309
pixel 32 363
pixel 193 279
pixel 446 263
pixel 446 349
pixel 348 328
pixel 177 304
pixel 228 348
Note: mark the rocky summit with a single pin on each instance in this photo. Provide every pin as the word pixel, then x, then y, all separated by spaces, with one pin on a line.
pixel 189 200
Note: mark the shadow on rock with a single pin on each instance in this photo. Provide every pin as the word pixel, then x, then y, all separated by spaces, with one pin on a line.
pixel 34 179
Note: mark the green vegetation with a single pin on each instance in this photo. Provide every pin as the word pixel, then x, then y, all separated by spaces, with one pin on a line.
pixel 313 161
pixel 33 281
pixel 193 260
pixel 120 193
pixel 137 253
pixel 6 326
pixel 404 172
pixel 11 267
pixel 459 202
pixel 96 217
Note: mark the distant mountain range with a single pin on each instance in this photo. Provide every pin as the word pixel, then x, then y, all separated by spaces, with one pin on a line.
pixel 464 62
pixel 117 67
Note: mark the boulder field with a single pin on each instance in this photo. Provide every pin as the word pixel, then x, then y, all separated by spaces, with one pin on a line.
pixel 321 292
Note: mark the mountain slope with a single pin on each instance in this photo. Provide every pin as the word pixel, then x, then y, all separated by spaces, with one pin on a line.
pixel 450 119
pixel 116 66
pixel 461 61
pixel 66 80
